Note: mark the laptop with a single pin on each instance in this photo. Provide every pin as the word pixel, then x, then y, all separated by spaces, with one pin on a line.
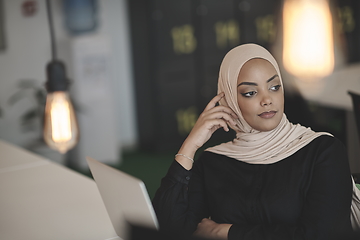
pixel 125 198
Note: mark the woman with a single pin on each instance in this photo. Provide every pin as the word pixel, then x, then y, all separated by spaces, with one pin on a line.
pixel 276 180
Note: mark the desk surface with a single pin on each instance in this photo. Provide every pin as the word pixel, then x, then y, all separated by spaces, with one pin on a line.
pixel 43 200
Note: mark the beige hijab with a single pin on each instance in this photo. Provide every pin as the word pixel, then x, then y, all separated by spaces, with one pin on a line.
pixel 257 147
pixel 250 145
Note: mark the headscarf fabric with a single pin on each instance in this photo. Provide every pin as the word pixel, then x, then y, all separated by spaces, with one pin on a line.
pixel 250 145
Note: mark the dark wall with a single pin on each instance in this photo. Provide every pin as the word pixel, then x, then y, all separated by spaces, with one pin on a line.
pixel 177 49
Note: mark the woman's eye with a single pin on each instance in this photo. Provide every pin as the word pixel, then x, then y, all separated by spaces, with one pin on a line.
pixel 275 88
pixel 249 94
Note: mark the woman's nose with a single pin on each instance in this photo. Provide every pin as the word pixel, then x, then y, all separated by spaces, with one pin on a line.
pixel 266 100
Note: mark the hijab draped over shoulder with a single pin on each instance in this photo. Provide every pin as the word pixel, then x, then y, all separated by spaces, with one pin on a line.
pixel 250 145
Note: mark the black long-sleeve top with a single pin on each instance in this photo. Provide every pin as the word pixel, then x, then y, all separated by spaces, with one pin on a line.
pixel 304 196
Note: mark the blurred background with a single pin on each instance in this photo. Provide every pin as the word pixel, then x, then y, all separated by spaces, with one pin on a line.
pixel 142 71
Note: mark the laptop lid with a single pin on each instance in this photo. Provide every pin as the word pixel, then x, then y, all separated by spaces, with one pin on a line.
pixel 125 198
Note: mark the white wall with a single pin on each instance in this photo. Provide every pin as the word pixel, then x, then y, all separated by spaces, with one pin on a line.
pixel 28 51
pixel 115 22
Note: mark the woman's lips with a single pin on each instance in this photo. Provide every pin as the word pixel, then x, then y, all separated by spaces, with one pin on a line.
pixel 267 115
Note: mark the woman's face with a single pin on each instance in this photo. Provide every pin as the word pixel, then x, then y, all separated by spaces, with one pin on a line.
pixel 259 94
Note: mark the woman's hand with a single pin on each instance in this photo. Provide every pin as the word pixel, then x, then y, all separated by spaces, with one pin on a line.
pixel 212 230
pixel 211 119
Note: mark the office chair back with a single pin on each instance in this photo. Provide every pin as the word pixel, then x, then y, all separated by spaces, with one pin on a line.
pixel 356 107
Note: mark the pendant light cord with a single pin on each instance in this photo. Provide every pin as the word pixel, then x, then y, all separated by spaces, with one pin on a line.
pixel 52 31
pixel 55 69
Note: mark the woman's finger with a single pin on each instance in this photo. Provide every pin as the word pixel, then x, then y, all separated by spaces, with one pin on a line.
pixel 221 115
pixel 216 123
pixel 223 109
pixel 213 101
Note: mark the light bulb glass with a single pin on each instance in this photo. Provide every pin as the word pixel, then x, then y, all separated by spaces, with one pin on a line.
pixel 60 125
pixel 308 51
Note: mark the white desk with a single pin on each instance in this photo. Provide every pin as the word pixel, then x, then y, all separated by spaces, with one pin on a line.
pixel 43 200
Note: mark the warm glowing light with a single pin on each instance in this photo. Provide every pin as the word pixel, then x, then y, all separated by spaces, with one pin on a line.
pixel 60 116
pixel 308 38
pixel 60 125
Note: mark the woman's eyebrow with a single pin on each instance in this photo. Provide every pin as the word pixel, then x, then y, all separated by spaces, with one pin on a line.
pixel 272 78
pixel 255 84
pixel 248 83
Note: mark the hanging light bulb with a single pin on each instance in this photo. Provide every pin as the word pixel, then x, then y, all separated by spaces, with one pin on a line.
pixel 61 130
pixel 60 125
pixel 308 50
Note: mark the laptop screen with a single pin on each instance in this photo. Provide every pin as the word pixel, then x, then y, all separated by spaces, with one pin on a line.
pixel 125 198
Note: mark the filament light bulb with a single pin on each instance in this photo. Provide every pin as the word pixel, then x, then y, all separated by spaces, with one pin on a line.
pixel 60 125
pixel 308 50
pixel 61 130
